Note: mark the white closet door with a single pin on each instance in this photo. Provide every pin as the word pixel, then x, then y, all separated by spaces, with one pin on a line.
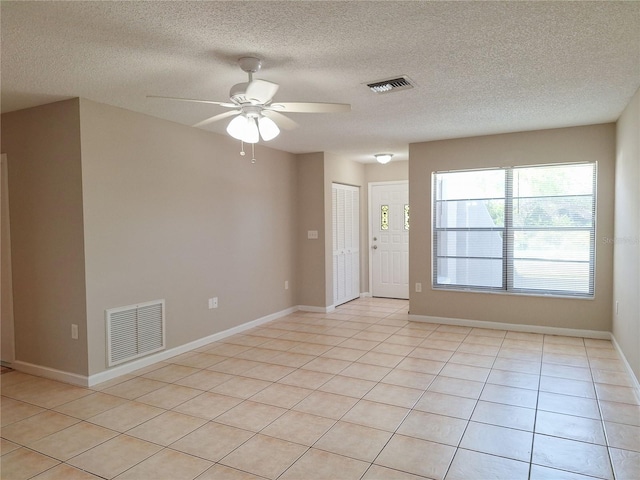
pixel 346 246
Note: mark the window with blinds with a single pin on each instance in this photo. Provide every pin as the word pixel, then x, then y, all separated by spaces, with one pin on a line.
pixel 520 229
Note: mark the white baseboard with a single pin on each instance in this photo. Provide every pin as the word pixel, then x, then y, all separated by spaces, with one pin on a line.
pixel 630 371
pixel 569 332
pixel 84 381
pixel 52 373
pixel 366 295
pixel 201 342
pixel 313 309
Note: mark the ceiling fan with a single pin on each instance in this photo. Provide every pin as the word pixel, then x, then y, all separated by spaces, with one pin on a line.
pixel 256 115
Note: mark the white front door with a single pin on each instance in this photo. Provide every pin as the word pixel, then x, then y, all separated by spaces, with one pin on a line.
pixel 346 243
pixel 389 239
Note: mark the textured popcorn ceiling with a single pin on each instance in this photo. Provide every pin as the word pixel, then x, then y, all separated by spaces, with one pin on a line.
pixel 479 67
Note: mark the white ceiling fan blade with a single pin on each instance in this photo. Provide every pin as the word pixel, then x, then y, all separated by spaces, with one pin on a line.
pixel 307 107
pixel 215 118
pixel 222 104
pixel 261 91
pixel 281 120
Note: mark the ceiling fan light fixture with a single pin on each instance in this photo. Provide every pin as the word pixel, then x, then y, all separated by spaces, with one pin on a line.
pixel 383 158
pixel 243 128
pixel 251 134
pixel 268 128
pixel 237 126
pixel 255 116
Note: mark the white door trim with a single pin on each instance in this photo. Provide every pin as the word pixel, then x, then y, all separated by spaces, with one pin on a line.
pixel 370 232
pixel 7 322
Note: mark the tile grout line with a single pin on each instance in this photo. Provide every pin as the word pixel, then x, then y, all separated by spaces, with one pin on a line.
pixel 338 420
pixel 602 423
pixel 535 416
pixel 474 407
pixel 380 321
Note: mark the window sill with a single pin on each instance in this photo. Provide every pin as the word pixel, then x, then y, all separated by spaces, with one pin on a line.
pixel 517 294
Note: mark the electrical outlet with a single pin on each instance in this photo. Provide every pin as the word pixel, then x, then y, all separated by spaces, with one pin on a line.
pixel 312 234
pixel 286 284
pixel 213 302
pixel 418 287
pixel 617 308
pixel 74 331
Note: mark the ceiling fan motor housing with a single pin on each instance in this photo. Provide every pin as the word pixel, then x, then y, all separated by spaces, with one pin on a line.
pixel 238 93
pixel 250 64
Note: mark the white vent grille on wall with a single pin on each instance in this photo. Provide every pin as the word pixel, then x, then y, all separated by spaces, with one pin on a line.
pixel 134 331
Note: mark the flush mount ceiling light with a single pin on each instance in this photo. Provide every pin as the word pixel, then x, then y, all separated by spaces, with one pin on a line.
pixel 383 157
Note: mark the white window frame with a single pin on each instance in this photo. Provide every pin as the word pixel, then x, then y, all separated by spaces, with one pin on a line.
pixel 507 231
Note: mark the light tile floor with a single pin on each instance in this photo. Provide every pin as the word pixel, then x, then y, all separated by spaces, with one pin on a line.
pixel 360 393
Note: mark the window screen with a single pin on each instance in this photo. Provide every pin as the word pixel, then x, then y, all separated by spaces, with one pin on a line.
pixel 521 229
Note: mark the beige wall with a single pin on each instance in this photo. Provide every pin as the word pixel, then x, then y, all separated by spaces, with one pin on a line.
pixel 175 212
pixel 626 238
pixel 394 170
pixel 46 220
pixel 578 144
pixel 316 174
pixel 311 271
pixel 157 210
pixel 110 208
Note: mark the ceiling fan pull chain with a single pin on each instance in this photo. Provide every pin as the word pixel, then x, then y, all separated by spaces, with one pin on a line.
pixel 241 148
pixel 253 153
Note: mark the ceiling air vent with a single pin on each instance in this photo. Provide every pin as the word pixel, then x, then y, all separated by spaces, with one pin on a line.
pixel 391 85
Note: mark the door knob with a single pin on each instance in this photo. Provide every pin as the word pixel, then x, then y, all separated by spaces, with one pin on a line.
pixel 375 247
